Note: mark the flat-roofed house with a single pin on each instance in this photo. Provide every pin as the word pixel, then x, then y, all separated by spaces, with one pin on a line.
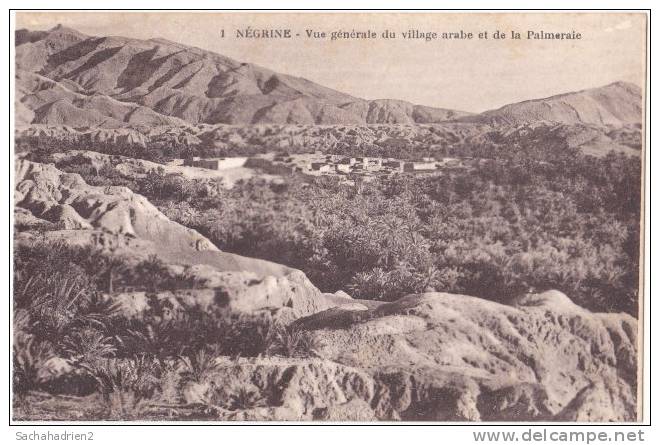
pixel 419 166
pixel 215 163
pixel 393 165
pixel 343 168
pixel 320 167
pixel 211 164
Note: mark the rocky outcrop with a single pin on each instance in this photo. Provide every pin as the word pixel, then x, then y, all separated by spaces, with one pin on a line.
pixel 65 198
pixel 542 358
pixel 287 297
pixel 285 389
pixel 439 357
pixel 115 217
pixel 432 357
pixel 443 357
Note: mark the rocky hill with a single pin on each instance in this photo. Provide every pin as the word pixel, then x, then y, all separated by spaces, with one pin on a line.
pixel 454 357
pixel 66 77
pixel 619 103
pixel 71 210
pixel 62 207
pixel 449 358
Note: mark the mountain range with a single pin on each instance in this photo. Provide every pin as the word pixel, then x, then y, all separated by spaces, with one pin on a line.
pixel 64 77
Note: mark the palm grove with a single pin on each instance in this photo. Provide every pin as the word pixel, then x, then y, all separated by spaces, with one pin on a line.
pixel 528 220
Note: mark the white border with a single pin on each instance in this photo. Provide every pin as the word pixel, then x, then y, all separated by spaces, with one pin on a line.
pixel 303 434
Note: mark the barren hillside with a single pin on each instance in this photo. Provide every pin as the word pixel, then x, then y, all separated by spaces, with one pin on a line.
pixel 65 77
pixel 619 103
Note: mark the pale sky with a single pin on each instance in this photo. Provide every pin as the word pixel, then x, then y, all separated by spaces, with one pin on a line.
pixel 473 75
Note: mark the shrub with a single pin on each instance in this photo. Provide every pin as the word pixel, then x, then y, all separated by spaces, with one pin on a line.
pixel 87 345
pixel 152 272
pixel 290 342
pixel 152 337
pixel 241 334
pixel 197 367
pixel 30 358
pixel 126 385
pixel 170 382
pixel 139 374
pixel 243 398
pixel 57 305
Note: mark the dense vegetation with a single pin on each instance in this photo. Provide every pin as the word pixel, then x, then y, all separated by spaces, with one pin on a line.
pixel 131 363
pixel 528 218
pixel 524 222
pixel 396 141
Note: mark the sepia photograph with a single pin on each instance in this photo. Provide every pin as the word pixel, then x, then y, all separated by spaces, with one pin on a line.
pixel 327 217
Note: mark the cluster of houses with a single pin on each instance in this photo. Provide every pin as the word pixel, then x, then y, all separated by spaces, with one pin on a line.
pixel 319 164
pixel 332 164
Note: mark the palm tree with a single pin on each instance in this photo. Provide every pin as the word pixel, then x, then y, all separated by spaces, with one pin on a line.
pixel 243 398
pixel 198 366
pixel 151 272
pixel 29 363
pixel 87 345
pixel 113 266
pixel 428 277
pixel 58 306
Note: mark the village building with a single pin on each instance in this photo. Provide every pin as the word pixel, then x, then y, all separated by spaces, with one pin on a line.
pixel 214 163
pixel 320 167
pixel 196 161
pixel 346 161
pixel 393 164
pixel 419 166
pixel 373 163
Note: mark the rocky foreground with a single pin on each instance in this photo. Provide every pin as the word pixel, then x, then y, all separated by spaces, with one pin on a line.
pixel 431 356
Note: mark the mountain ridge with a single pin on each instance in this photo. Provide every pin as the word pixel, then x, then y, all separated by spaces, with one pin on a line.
pixel 617 103
pixel 192 84
pixel 170 83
